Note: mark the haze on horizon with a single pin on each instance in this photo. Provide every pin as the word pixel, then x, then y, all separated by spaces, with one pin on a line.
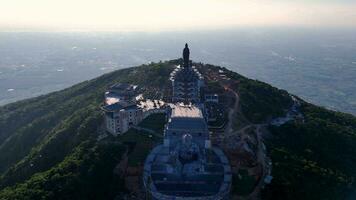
pixel 159 15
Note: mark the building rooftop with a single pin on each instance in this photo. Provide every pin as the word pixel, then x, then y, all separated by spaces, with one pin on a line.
pixel 112 107
pixel 183 111
pixel 118 106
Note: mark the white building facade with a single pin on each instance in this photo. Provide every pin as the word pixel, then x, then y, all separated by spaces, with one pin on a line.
pixel 119 119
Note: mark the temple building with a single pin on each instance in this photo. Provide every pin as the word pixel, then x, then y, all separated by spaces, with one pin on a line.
pixel 185 119
pixel 187 165
pixel 120 92
pixel 186 81
pixel 120 116
pixel 120 108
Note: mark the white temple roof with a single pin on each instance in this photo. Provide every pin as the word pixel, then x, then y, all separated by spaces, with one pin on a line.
pixel 189 111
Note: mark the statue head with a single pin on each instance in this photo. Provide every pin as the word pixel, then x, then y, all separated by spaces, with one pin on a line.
pixel 186 45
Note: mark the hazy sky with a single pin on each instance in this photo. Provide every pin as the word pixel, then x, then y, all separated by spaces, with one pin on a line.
pixel 172 14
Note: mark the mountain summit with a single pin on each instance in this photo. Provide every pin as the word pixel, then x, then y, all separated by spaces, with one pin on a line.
pixel 53 146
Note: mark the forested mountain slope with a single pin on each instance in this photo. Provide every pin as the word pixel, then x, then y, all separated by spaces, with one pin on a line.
pixel 48 147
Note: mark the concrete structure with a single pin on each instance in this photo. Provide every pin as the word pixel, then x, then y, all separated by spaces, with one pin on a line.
pixel 187 120
pixel 124 90
pixel 150 107
pixel 211 98
pixel 186 166
pixel 124 109
pixel 120 91
pixel 186 81
pixel 121 110
pixel 120 116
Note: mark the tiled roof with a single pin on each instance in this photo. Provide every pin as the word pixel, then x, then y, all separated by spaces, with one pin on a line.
pixel 118 106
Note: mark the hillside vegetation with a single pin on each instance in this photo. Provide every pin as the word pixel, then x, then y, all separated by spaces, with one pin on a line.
pixel 48 146
pixel 315 159
pixel 40 135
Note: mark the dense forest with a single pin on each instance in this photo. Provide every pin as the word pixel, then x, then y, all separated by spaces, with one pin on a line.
pixel 49 147
pixel 315 159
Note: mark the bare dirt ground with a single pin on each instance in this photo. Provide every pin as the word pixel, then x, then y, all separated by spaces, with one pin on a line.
pixel 234 140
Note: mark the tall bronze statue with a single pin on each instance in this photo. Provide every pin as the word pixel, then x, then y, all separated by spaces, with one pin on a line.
pixel 186 55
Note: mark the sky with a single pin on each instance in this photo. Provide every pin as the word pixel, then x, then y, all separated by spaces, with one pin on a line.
pixel 158 15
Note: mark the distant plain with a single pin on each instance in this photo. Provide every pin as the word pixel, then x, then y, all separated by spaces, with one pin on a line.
pixel 316 64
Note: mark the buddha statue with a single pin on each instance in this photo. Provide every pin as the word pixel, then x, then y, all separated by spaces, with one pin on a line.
pixel 186 56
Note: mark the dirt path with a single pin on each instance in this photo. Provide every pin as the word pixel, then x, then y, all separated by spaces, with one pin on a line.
pixel 243 132
pixel 232 111
pixel 261 158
